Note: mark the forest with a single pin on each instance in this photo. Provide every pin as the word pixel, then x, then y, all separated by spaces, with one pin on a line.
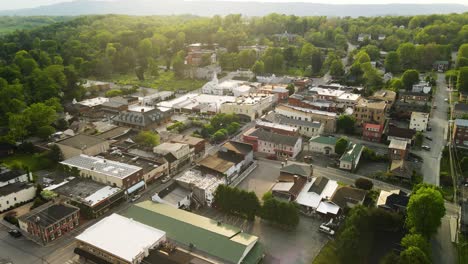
pixel 41 68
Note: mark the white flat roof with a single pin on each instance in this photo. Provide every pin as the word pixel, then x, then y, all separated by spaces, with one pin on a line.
pixel 328 208
pixel 276 125
pixel 94 101
pixel 101 194
pixel 107 167
pixel 398 144
pixel 189 101
pixel 283 186
pixel 122 237
pixel 139 108
pixel 312 199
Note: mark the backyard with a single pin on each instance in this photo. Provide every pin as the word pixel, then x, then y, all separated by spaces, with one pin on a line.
pixel 34 162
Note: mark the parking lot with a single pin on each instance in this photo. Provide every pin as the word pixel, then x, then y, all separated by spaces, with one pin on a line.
pixel 262 178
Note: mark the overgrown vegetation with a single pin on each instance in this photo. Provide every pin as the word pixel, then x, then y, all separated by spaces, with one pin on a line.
pixel 235 201
pixel 220 127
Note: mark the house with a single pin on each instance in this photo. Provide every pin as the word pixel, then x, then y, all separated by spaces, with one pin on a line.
pixel 16 193
pixel 317 191
pixel 50 221
pixel 385 95
pixel 101 243
pixel 323 144
pixel 9 176
pixel 398 149
pixel 174 195
pixel 249 107
pixel 273 144
pixel 292 179
pixel 82 144
pixel 177 154
pixel 419 121
pixel 295 169
pixel 414 98
pixel 421 87
pixel 440 66
pixel 93 198
pixel 460 133
pixel 350 159
pixel 142 117
pixel 108 172
pixel 362 37
pixel 348 197
pixel 195 143
pixel 305 128
pixel 460 110
pixel 216 241
pixel 370 111
pixel 381 37
pixel 399 133
pixel 394 200
pixel 399 169
pixel 328 119
pixel 372 132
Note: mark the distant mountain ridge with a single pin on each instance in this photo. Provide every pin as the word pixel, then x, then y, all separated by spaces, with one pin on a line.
pixel 205 8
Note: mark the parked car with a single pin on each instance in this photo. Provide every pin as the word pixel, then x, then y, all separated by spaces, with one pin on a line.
pixel 165 179
pixel 425 147
pixel 446 100
pixel 15 233
pixel 135 197
pixel 326 230
pixel 428 138
pixel 434 107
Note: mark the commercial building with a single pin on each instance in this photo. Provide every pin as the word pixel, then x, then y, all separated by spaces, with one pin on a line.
pixel 82 144
pixel 328 119
pixel 399 133
pixel 203 186
pixel 50 221
pixel 305 128
pixel 419 121
pixel 398 149
pixel 142 117
pixel 93 198
pixel 174 195
pixel 372 132
pixel 326 93
pixel 277 128
pixel 14 194
pixel 302 101
pixel 177 155
pixel 280 91
pixel 195 143
pixel 194 102
pixel 323 144
pixel 109 172
pixel 460 133
pixel 273 144
pixel 108 241
pixel 386 96
pixel 249 107
pixel 215 240
pixel 350 159
pixel 367 111
pixel 348 100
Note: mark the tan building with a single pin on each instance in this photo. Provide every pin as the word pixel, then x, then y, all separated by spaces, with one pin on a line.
pixel 367 111
pixel 385 95
pixel 328 119
pixel 252 106
pixel 82 144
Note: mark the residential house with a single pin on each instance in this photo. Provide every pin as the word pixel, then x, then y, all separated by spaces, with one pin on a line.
pixel 292 179
pixel 394 200
pixel 460 110
pixel 419 121
pixel 372 132
pixel 328 119
pixel 399 133
pixel 414 98
pixel 273 144
pixel 460 133
pixel 367 111
pixel 102 243
pixel 400 169
pixel 9 176
pixel 50 221
pixel 82 144
pixel 350 159
pixel 16 193
pixel 142 117
pixel 316 196
pixel 398 149
pixel 177 154
pixel 108 172
pixel 348 197
pixel 323 144
pixel 216 241
pixel 249 107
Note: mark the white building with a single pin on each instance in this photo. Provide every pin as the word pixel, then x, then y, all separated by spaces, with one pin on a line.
pixel 194 102
pixel 202 186
pixel 304 128
pixel 217 88
pixel 323 144
pixel 16 193
pixel 348 99
pixel 419 121
pixel 350 159
pixel 328 119
pixel 316 195
pixel 8 176
pixel 252 106
pixel 118 239
pixel 421 87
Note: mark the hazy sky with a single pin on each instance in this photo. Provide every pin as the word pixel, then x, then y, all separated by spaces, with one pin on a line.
pixel 16 4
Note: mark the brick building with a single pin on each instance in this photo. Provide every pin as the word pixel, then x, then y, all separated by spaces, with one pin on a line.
pixel 460 133
pixel 372 132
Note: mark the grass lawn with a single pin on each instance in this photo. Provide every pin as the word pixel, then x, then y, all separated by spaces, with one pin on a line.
pixel 327 254
pixel 34 162
pixel 166 81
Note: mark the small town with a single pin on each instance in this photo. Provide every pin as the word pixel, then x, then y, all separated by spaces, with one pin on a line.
pixel 269 148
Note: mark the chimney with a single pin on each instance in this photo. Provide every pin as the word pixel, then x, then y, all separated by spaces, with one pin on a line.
pixel 311 170
pixel 295 178
pixel 142 110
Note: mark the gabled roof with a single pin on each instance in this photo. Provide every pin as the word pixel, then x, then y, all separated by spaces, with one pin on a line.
pixel 81 141
pixel 238 147
pixel 324 140
pixel 215 163
pixel 394 131
pixel 318 185
pixel 353 151
pixel 297 169
pixel 274 137
pixel 346 194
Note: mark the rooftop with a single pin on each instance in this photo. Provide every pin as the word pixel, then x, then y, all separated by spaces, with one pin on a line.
pixel 461 107
pixel 305 110
pixel 419 115
pixel 215 163
pixel 274 137
pixel 352 153
pixel 326 92
pixel 190 101
pixel 238 147
pixel 385 95
pixel 7 174
pixel 346 194
pixel 145 116
pixel 298 169
pixel 94 101
pixel 276 126
pixel 349 96
pixel 373 126
pixel 49 214
pixel 103 166
pixel 220 240
pixel 397 144
pixel 185 139
pixel 14 188
pixel 114 133
pixel 252 99
pixel 364 103
pixel 315 191
pixel 461 122
pixel 207 182
pixel 103 235
pixel 394 131
pixel 168 147
pixel 81 141
pixel 327 140
pixel 291 121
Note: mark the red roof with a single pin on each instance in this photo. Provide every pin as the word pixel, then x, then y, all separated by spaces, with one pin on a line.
pixel 374 126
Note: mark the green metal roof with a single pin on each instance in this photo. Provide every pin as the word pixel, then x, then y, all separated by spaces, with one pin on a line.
pixel 324 140
pixel 352 152
pixel 223 241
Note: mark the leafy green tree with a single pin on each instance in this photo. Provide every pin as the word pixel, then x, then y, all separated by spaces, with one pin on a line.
pixel 148 139
pixel 362 57
pixel 363 183
pixel 419 138
pixel 407 53
pixel 373 52
pixel 291 89
pixel 417 240
pixel 413 255
pixel 18 126
pixel 45 131
pixel 425 211
pixel 346 123
pixel 179 65
pixel 462 55
pixel 341 146
pixel 247 58
pixel 258 67
pixel 392 62
pixel 409 78
pixel 233 127
pixel 462 83
pixel 40 115
pixel 337 69
pixel 396 84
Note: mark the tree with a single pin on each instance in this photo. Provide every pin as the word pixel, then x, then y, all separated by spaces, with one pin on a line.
pixel 409 78
pixel 147 138
pixel 462 55
pixel 425 210
pixel 337 69
pixel 341 146
pixel 373 52
pixel 346 123
pixel 392 62
pixel 247 58
pixel 291 89
pixel 413 255
pixel 416 240
pixel 462 83
pixel 419 138
pixel 45 131
pixel 363 183
pixel 407 53
pixel 18 125
pixel 258 67
pixel 396 84
pixel 178 65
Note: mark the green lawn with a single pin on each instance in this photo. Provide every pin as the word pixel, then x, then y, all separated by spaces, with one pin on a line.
pixel 327 254
pixel 166 81
pixel 34 162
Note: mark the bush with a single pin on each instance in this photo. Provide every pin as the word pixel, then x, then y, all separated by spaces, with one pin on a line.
pixel 10 218
pixel 285 214
pixel 113 93
pixel 364 184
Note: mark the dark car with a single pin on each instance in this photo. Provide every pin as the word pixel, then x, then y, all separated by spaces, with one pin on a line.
pixel 429 128
pixel 428 138
pixel 14 233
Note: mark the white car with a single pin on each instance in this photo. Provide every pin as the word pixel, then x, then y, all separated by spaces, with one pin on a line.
pixel 326 230
pixel 446 100
pixel 135 197
pixel 165 179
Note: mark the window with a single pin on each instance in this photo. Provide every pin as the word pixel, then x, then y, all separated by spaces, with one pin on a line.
pixel 14 198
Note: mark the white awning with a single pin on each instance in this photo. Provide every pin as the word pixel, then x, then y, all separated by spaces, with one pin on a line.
pixel 328 208
pixel 135 187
